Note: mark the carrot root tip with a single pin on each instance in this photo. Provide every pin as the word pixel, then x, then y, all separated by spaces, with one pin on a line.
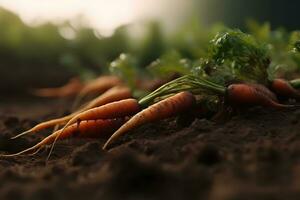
pixel 35 148
pixel 21 134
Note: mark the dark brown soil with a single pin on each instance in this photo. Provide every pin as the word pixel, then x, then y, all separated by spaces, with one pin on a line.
pixel 255 155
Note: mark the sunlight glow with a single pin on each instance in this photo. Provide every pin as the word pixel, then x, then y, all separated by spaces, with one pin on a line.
pixel 102 15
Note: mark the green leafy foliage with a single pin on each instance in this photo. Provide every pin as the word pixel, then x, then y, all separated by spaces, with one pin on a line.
pixel 247 59
pixel 281 44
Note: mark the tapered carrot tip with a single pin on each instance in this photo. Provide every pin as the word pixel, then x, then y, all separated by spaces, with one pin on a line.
pixel 21 134
pixel 35 149
pixel 160 110
pixel 284 88
pixel 253 94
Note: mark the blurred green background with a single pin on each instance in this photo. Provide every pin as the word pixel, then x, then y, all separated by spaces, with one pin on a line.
pixel 40 56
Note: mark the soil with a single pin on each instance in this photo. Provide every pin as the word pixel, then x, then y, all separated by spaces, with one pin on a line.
pixel 253 155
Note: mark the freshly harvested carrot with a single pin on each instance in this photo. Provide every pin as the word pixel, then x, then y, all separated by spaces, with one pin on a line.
pixel 112 110
pixel 122 108
pixel 252 94
pixel 86 129
pixel 285 89
pixel 72 88
pixel 161 110
pixel 100 85
pixel 97 86
pixel 114 94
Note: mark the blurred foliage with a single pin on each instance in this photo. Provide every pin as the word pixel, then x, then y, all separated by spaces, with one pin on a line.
pixel 281 45
pixel 216 51
pixel 151 46
pixel 125 66
pixel 168 64
pixel 42 45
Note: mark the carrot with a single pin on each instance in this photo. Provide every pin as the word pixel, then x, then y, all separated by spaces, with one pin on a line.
pixel 100 84
pixel 70 89
pixel 86 129
pixel 114 94
pixel 97 86
pixel 161 110
pixel 252 94
pixel 285 89
pixel 115 109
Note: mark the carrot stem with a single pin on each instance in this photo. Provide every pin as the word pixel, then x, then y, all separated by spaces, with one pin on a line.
pixel 184 83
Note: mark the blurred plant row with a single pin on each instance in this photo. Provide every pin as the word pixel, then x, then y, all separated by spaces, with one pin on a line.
pixel 89 54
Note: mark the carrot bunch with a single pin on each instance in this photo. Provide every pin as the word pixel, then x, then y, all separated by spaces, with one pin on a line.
pixel 105 119
pixel 235 74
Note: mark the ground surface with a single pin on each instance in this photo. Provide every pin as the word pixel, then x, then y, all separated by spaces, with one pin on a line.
pixel 255 155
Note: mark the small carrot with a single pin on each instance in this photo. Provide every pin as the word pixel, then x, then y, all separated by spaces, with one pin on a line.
pixel 252 94
pixel 114 94
pixel 72 88
pixel 86 129
pixel 97 86
pixel 285 89
pixel 100 84
pixel 161 110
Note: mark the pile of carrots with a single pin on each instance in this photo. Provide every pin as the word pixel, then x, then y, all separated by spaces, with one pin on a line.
pixel 116 112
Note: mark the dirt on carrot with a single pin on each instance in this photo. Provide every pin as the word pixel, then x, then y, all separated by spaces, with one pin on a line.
pixel 254 155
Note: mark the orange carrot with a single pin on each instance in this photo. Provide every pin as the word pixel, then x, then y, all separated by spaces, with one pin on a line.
pixel 97 86
pixel 252 94
pixel 86 129
pixel 72 88
pixel 100 85
pixel 114 94
pixel 161 110
pixel 115 109
pixel 283 88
